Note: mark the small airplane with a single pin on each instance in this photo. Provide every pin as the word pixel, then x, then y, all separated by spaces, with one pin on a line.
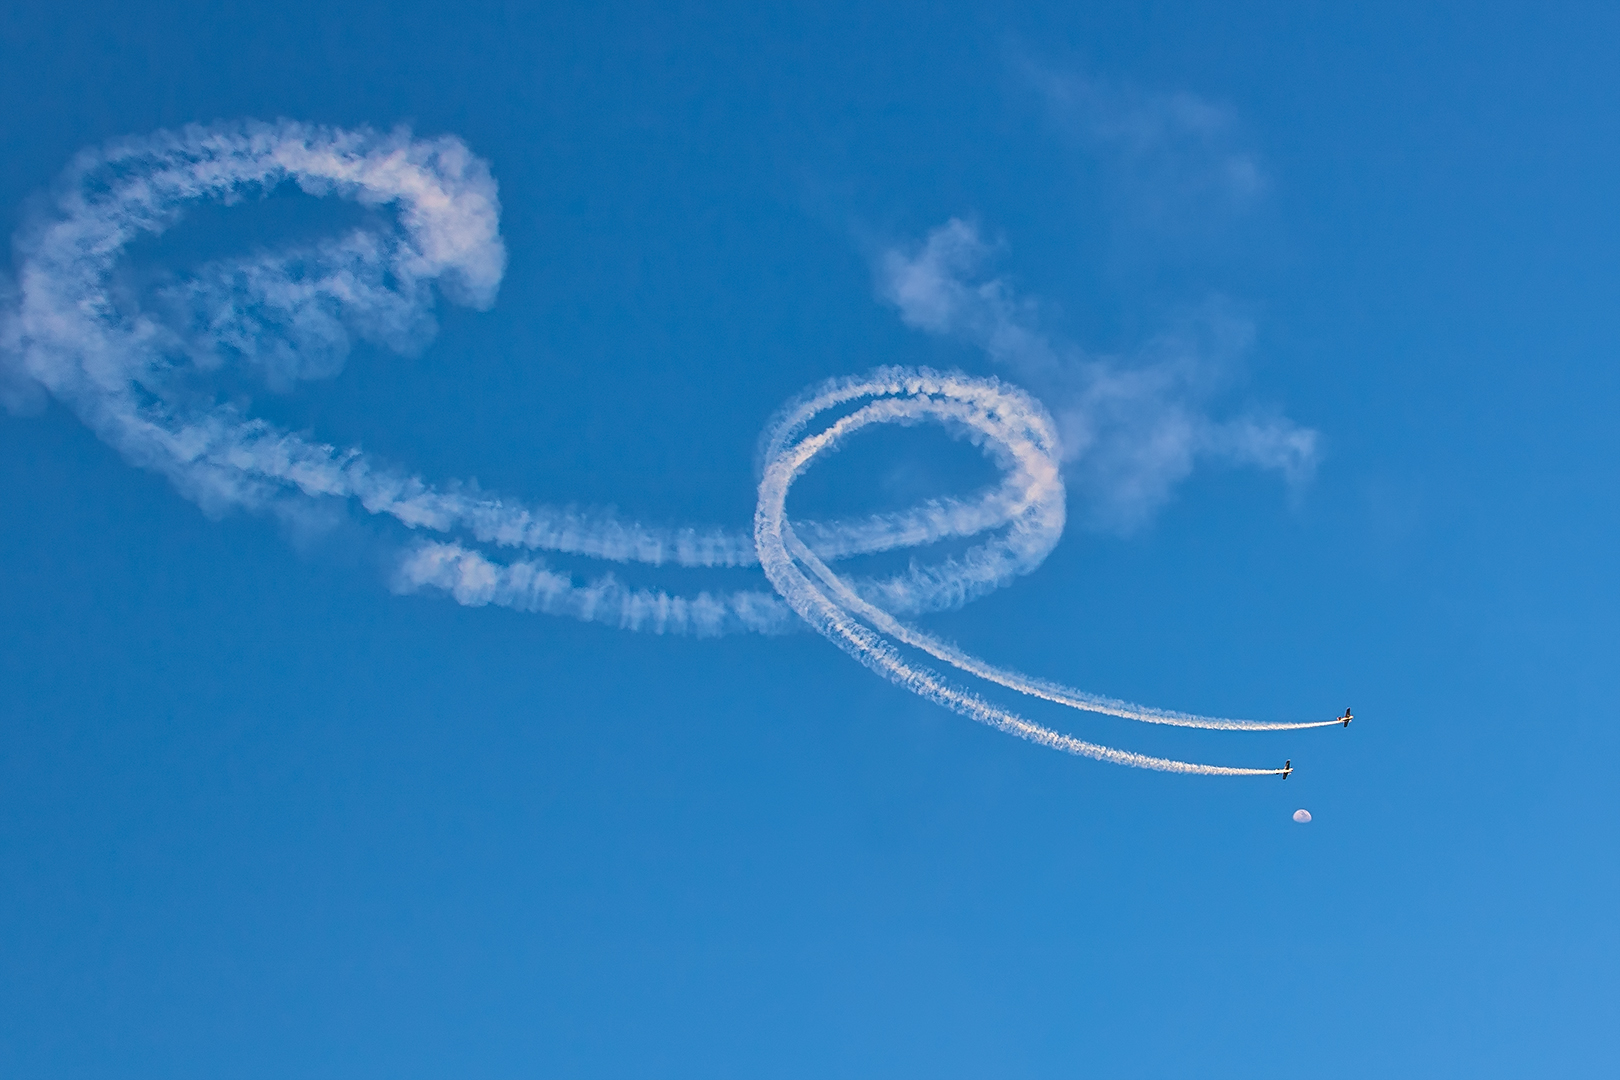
pixel 1288 767
pixel 1346 718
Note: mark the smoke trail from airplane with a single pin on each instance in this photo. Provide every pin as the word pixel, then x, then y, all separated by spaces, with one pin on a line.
pixel 140 379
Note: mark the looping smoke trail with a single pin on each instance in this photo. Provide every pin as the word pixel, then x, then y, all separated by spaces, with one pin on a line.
pixel 1014 423
pixel 139 377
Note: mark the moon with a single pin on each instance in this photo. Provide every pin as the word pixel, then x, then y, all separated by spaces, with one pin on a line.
pixel 1302 816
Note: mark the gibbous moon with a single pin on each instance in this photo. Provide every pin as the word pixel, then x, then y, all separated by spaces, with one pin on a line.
pixel 1302 816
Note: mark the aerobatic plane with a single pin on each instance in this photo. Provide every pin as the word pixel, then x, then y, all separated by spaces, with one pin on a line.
pixel 1346 718
pixel 1288 767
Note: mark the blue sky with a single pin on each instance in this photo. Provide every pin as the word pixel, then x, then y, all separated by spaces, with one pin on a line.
pixel 1321 307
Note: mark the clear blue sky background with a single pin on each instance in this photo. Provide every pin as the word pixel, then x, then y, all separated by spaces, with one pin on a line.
pixel 261 818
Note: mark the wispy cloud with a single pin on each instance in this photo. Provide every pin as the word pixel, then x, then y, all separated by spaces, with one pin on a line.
pixel 20 393
pixel 1174 156
pixel 1131 429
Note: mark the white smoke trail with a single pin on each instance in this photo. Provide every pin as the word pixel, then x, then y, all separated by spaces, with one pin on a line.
pixel 1020 428
pixel 474 580
pixel 139 379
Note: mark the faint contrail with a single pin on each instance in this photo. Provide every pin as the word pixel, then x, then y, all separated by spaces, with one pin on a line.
pixel 139 377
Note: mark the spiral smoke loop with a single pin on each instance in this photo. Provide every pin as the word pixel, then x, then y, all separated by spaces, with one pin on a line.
pixel 140 379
